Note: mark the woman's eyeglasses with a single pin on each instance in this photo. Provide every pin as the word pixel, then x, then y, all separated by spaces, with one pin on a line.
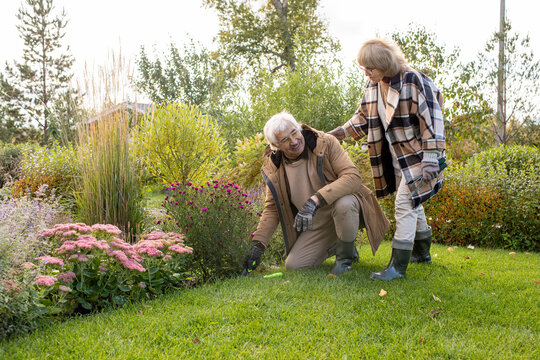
pixel 368 71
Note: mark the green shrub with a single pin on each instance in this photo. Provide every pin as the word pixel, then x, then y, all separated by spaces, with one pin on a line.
pixel 109 189
pixel 217 220
pixel 20 304
pixel 20 220
pixel 245 164
pixel 178 142
pixel 494 200
pixel 10 157
pixel 321 97
pixel 54 166
pixel 360 158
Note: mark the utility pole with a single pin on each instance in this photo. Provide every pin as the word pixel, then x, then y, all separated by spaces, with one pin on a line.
pixel 501 83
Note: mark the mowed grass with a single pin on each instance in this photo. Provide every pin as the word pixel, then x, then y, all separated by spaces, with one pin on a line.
pixel 469 304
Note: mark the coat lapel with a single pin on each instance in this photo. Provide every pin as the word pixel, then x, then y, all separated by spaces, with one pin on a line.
pixel 392 100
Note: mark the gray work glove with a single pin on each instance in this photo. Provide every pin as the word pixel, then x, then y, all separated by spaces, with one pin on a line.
pixel 304 219
pixel 429 170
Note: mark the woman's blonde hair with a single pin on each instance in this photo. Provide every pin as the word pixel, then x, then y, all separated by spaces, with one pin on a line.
pixel 383 55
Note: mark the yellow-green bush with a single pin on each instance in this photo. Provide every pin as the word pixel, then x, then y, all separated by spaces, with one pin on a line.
pixel 177 142
pixel 246 161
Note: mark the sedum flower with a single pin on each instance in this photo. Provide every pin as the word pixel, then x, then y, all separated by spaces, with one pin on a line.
pixel 45 280
pixel 51 260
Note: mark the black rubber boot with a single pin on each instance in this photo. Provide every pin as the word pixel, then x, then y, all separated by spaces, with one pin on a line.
pixel 396 267
pixel 422 244
pixel 346 253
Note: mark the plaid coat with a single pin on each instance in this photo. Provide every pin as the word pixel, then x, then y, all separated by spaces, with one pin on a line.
pixel 415 124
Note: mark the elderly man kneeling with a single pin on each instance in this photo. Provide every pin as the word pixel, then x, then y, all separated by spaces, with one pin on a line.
pixel 315 191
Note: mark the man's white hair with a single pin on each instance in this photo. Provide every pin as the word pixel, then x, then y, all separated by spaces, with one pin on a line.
pixel 277 123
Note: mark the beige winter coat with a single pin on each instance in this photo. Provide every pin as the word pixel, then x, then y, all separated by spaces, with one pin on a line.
pixel 338 174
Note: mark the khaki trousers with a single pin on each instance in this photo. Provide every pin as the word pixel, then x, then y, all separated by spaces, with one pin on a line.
pixel 339 221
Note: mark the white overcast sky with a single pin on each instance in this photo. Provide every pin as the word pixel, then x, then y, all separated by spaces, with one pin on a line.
pixel 97 27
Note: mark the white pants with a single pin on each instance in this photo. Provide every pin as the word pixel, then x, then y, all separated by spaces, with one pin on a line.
pixel 408 220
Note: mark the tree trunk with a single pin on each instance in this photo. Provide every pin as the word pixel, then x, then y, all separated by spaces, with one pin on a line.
pixel 288 52
pixel 501 106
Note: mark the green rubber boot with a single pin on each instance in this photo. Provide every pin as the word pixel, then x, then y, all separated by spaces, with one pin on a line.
pixel 396 267
pixel 346 253
pixel 422 245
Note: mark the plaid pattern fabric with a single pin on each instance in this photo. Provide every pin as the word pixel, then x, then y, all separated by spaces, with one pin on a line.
pixel 414 111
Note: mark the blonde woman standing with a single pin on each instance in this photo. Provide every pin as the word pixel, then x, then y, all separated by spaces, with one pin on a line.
pixel 401 115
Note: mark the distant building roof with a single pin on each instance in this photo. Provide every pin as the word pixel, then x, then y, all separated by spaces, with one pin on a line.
pixel 140 108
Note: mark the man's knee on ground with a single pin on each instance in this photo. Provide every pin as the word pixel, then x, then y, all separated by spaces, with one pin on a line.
pixel 294 264
pixel 345 205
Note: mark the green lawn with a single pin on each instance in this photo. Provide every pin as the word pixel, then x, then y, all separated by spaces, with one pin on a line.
pixel 489 308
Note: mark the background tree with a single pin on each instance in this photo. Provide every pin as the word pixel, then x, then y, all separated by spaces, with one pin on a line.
pixel 521 81
pixel 271 34
pixel 465 109
pixel 193 76
pixel 33 85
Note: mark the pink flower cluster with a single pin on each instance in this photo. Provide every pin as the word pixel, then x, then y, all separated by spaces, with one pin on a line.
pixel 157 243
pixel 66 277
pixel 51 260
pixel 108 228
pixel 45 280
pixel 66 230
pixel 83 242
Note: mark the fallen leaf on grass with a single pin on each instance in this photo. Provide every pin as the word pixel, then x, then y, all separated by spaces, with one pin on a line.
pixel 422 340
pixel 537 281
pixel 196 340
pixel 383 292
pixel 467 257
pixel 331 276
pixel 450 249
pixel 139 313
pixel 512 253
pixel 482 274
pixel 435 297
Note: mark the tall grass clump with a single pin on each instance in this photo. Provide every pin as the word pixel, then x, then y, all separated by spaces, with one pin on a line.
pixel 109 188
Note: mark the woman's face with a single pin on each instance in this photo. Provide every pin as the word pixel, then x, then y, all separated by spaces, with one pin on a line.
pixel 374 75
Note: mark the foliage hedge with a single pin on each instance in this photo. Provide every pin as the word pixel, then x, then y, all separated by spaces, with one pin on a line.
pixel 244 167
pixel 54 166
pixel 492 201
pixel 10 157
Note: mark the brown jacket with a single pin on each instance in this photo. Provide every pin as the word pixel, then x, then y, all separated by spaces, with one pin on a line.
pixel 336 170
